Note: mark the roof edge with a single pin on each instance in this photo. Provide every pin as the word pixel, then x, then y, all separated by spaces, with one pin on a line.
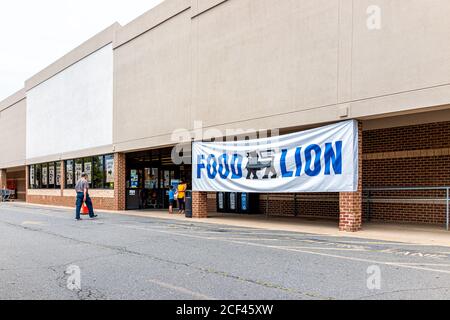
pixel 150 19
pixel 12 99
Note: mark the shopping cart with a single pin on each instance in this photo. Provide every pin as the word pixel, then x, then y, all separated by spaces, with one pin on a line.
pixel 6 195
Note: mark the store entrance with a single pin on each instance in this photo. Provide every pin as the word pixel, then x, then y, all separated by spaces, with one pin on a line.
pixel 149 177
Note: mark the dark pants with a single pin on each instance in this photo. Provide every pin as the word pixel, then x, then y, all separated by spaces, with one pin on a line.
pixel 80 196
pixel 142 203
pixel 181 205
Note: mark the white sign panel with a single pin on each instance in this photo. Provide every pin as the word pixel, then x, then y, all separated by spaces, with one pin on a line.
pixel 73 110
pixel 318 160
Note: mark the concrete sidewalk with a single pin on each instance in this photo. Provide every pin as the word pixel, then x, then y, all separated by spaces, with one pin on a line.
pixel 406 233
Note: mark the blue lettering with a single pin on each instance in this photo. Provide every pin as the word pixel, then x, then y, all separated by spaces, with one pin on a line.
pixel 200 165
pixel 335 158
pixel 224 169
pixel 313 166
pixel 236 174
pixel 308 156
pixel 298 161
pixel 284 171
pixel 212 168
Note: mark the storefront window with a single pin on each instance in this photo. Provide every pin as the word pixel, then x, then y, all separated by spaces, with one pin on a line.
pixel 44 179
pixel 87 168
pixel 78 169
pixel 109 172
pixel 51 175
pixel 32 180
pixel 98 175
pixel 45 176
pixel 100 171
pixel 58 175
pixel 38 176
pixel 69 174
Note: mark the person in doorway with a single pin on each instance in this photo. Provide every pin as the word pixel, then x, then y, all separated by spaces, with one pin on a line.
pixel 82 189
pixel 182 187
pixel 171 199
pixel 143 197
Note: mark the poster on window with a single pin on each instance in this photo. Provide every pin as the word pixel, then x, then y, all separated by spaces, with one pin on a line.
pixel 166 179
pixel 69 173
pixel 154 178
pixel 58 175
pixel 318 160
pixel 44 176
pixel 32 174
pixel 88 170
pixel 51 175
pixel 109 163
pixel 78 171
pixel 134 179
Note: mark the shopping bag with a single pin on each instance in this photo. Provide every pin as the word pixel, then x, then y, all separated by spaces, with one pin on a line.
pixel 84 209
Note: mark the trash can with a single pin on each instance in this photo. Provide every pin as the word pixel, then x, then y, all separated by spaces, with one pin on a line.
pixel 221 202
pixel 244 205
pixel 248 203
pixel 188 199
pixel 233 202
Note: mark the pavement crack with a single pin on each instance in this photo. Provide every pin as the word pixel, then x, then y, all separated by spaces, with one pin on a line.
pixel 265 284
pixel 85 293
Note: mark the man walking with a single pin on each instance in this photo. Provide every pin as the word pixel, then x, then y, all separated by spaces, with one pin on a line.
pixel 82 189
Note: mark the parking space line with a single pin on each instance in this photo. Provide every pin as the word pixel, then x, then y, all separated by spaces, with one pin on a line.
pixel 323 248
pixel 425 264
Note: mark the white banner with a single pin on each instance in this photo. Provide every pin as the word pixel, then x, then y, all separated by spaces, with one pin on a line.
pixel 318 160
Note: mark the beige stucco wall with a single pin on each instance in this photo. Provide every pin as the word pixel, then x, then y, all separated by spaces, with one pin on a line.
pixel 13 131
pixel 255 59
pixel 410 52
pixel 275 64
pixel 404 66
pixel 152 80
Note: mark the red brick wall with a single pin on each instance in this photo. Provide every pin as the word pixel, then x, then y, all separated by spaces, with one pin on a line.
pixel 407 172
pixel 350 203
pixel 412 156
pixel 304 205
pixel 199 204
pixel 416 137
pixel 406 212
pixel 212 202
pixel 119 181
pixel 99 203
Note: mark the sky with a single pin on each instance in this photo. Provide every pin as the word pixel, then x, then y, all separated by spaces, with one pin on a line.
pixel 35 33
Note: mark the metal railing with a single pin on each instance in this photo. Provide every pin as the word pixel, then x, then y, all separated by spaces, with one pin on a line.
pixel 368 193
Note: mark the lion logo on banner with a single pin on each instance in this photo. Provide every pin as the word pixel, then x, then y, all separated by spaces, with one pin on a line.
pixel 260 160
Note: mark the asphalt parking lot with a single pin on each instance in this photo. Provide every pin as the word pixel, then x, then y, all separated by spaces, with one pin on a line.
pixel 128 257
